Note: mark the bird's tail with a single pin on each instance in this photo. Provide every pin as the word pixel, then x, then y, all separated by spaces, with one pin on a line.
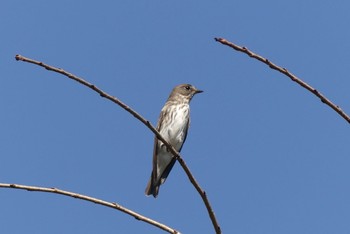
pixel 155 182
pixel 152 188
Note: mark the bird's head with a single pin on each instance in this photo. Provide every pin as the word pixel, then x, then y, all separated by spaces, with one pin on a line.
pixel 186 91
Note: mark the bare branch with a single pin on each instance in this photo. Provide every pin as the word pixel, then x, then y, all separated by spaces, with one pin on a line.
pixel 201 192
pixel 284 71
pixel 94 200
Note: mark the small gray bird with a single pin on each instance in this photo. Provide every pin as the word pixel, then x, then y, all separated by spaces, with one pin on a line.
pixel 173 124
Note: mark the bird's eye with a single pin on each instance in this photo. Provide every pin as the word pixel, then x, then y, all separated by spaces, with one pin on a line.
pixel 187 87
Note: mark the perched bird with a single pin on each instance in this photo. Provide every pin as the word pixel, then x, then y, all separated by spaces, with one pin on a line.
pixel 173 124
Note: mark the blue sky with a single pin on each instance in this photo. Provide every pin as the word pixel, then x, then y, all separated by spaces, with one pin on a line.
pixel 271 157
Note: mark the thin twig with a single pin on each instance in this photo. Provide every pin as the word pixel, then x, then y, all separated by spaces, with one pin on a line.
pixel 201 192
pixel 94 200
pixel 284 71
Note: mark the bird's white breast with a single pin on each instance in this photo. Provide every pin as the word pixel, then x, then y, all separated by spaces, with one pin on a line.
pixel 175 130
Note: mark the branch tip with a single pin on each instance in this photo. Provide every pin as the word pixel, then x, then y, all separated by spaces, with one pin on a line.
pixel 91 199
pixel 294 78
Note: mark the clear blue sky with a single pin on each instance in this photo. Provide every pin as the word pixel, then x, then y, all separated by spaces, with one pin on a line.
pixel 271 157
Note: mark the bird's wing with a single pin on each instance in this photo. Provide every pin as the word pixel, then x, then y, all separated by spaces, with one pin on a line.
pixel 156 147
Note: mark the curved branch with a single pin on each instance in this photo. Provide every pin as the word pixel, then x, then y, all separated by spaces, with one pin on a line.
pixel 94 200
pixel 201 192
pixel 284 71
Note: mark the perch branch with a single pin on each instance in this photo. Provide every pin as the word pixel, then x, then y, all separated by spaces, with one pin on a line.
pixel 94 200
pixel 284 71
pixel 201 192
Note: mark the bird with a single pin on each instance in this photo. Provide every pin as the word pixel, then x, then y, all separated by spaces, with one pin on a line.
pixel 173 124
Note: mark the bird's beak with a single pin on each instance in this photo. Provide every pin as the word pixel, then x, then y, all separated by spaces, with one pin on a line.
pixel 198 91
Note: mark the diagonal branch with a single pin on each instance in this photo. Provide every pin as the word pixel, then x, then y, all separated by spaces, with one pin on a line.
pixel 94 200
pixel 284 71
pixel 201 192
